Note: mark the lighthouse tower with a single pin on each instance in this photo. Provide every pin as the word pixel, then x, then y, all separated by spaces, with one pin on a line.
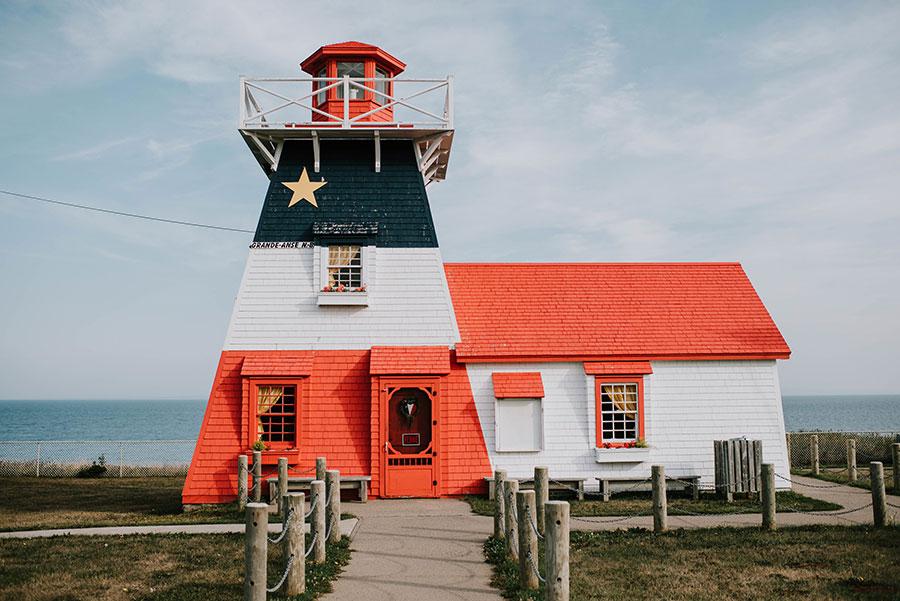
pixel 339 344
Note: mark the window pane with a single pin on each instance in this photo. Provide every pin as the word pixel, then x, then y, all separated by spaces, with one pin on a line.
pixel 518 424
pixel 381 87
pixel 353 70
pixel 345 266
pixel 619 412
pixel 276 413
pixel 320 97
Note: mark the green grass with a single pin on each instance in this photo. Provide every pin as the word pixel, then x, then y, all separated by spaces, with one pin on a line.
pixel 640 504
pixel 814 562
pixel 170 567
pixel 840 476
pixel 38 503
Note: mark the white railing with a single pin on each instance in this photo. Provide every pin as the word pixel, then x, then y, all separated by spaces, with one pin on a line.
pixel 291 102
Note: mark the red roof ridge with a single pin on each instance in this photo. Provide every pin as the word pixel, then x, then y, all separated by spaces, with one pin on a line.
pixel 596 263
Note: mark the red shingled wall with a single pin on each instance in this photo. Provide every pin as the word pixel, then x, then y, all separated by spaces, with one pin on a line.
pixel 337 422
pixel 334 423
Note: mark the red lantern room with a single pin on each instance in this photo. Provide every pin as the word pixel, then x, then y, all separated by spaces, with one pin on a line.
pixel 352 75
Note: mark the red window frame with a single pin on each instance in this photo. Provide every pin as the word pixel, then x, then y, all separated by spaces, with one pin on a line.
pixel 253 429
pixel 599 381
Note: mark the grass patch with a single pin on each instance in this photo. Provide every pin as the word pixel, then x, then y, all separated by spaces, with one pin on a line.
pixel 816 562
pixel 840 476
pixel 640 504
pixel 39 503
pixel 506 572
pixel 175 567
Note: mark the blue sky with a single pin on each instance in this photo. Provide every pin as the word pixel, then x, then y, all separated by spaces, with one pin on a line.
pixel 767 133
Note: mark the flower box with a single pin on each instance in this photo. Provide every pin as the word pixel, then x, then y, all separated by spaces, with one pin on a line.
pixel 343 298
pixel 622 455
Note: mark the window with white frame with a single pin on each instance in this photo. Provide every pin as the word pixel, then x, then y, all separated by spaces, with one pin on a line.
pixel 619 412
pixel 354 70
pixel 320 97
pixel 344 267
pixel 519 424
pixel 381 87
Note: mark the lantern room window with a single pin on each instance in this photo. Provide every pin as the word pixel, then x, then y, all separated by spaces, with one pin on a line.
pixel 320 97
pixel 354 70
pixel 381 87
pixel 276 413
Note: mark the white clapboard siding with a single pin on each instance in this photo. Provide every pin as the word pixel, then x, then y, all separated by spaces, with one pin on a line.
pixel 276 307
pixel 687 404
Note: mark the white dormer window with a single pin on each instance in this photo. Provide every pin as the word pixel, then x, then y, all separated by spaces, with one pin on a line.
pixel 343 275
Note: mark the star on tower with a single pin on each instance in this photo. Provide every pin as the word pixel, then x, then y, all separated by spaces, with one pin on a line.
pixel 304 189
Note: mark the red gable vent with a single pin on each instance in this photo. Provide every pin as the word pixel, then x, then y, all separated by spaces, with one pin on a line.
pixel 618 368
pixel 519 385
pixel 294 364
pixel 417 360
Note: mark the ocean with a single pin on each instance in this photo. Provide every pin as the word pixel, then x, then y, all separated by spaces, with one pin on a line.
pixel 171 420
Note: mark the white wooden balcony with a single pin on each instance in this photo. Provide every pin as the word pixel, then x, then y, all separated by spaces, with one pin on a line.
pixel 275 109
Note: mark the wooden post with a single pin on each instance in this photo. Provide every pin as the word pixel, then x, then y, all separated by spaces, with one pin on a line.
pixel 768 496
pixel 499 504
pixel 321 468
pixel 660 509
pixel 787 439
pixel 851 459
pixel 317 520
pixel 282 487
pixel 255 550
pixel 257 476
pixel 895 459
pixel 295 543
pixel 528 549
pixel 814 453
pixel 541 494
pixel 242 476
pixel 879 503
pixel 510 488
pixel 333 490
pixel 556 550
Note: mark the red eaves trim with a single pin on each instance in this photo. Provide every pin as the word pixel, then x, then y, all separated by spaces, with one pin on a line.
pixel 462 357
pixel 518 385
pixel 616 368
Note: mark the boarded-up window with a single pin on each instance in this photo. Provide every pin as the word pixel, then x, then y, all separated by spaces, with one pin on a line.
pixel 519 424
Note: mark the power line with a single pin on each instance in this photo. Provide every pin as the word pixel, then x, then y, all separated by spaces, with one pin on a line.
pixel 122 214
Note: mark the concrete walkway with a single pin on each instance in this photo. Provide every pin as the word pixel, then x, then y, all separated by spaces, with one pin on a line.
pixel 416 549
pixel 347 527
pixel 855 501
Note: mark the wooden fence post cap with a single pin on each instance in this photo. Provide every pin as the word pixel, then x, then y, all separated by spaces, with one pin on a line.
pixel 257 506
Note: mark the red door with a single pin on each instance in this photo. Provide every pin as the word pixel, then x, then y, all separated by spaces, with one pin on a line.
pixel 410 466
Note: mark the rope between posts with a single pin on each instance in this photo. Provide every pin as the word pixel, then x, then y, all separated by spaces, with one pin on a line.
pixel 287 570
pixel 312 545
pixel 311 508
pixel 328 529
pixel 330 498
pixel 534 567
pixel 288 524
pixel 820 486
pixel 532 523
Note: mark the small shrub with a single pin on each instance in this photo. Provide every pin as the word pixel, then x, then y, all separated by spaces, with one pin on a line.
pixel 95 470
pixel 259 446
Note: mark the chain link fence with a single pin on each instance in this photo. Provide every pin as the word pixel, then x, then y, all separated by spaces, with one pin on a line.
pixel 113 458
pixel 870 446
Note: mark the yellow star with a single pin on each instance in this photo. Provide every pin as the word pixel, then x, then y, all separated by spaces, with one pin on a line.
pixel 303 189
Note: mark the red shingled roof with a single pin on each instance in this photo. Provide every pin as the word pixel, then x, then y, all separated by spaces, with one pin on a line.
pixel 288 363
pixel 394 360
pixel 610 311
pixel 518 385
